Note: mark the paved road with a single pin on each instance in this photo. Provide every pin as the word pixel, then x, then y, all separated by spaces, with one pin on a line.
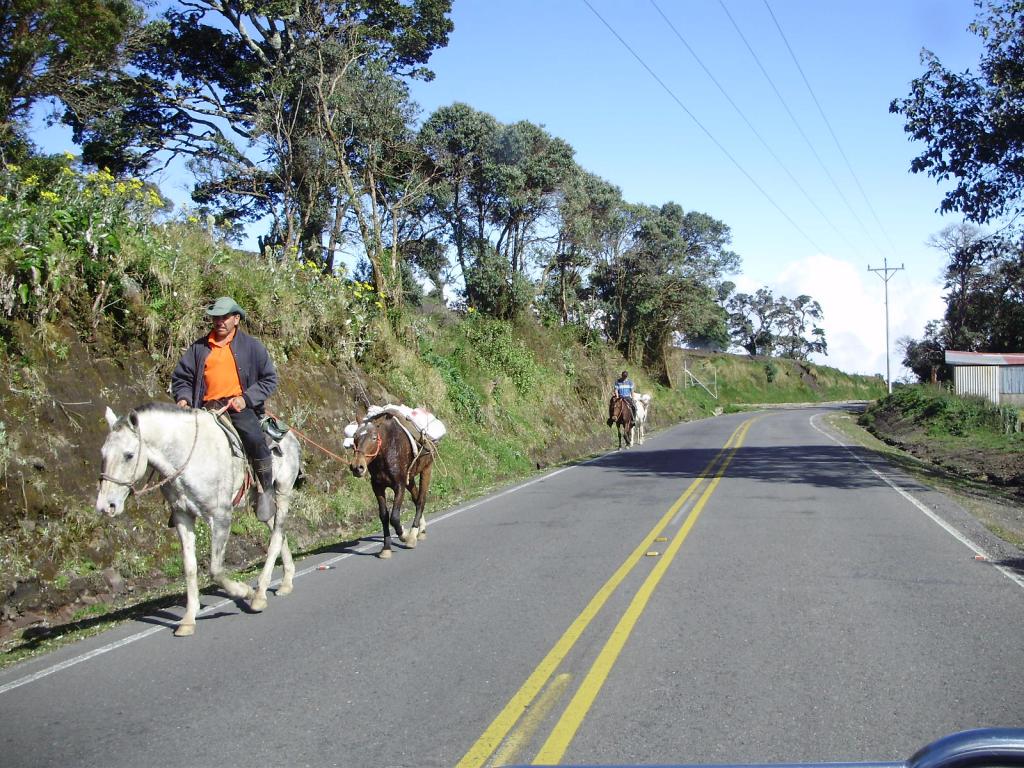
pixel 740 589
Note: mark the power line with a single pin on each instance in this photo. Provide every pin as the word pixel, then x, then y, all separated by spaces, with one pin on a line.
pixel 700 125
pixel 821 111
pixel 799 128
pixel 749 124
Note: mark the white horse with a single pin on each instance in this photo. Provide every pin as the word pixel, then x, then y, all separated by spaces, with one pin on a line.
pixel 201 478
pixel 640 422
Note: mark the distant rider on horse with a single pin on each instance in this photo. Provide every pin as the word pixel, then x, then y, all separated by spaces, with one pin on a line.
pixel 230 369
pixel 623 388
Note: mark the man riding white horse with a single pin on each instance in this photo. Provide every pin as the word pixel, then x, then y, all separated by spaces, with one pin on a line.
pixel 230 369
pixel 623 388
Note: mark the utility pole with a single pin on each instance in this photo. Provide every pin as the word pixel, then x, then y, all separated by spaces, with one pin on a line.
pixel 886 272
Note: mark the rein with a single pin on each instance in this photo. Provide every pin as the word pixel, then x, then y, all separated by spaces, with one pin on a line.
pixel 311 442
pixel 132 490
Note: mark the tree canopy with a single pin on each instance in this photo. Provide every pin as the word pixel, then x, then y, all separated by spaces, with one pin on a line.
pixel 972 125
pixel 50 48
pixel 299 115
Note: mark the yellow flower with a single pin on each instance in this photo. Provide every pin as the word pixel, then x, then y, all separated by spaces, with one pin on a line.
pixel 31 181
pixel 13 168
pixel 67 171
pixel 121 188
pixel 49 196
pixel 68 156
pixel 193 220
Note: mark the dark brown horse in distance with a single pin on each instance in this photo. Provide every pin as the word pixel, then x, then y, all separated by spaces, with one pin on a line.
pixel 622 417
pixel 381 448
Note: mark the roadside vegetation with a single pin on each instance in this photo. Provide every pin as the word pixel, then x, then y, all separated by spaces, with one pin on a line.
pixel 965 434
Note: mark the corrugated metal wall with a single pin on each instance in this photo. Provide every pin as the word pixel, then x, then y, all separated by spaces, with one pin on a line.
pixel 981 380
pixel 1011 385
pixel 1011 380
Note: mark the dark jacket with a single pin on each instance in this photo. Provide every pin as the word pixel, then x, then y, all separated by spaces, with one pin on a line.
pixel 255 372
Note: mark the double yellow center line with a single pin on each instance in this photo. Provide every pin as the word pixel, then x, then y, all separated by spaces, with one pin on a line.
pixel 558 741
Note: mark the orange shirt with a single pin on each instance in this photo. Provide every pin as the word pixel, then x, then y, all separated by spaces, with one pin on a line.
pixel 221 372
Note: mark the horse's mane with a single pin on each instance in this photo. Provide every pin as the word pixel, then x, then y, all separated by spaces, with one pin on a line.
pixel 153 407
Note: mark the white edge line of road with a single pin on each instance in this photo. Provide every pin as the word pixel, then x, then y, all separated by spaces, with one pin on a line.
pixel 305 571
pixel 1015 578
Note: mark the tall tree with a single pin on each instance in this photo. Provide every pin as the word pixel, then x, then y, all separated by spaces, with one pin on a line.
pixel 973 125
pixel 50 47
pixel 666 283
pixel 967 251
pixel 494 186
pixel 589 211
pixel 248 90
pixel 753 319
pixel 459 142
pixel 926 357
pixel 798 333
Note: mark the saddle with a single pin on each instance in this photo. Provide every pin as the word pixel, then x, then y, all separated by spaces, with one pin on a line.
pixel 273 433
pixel 418 439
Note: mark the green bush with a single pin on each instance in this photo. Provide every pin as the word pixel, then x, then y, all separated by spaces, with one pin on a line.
pixel 88 248
pixel 944 412
pixel 501 352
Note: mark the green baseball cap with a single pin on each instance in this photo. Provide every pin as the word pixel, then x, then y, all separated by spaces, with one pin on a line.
pixel 225 305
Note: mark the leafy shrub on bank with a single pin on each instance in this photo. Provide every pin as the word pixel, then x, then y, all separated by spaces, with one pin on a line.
pixel 90 250
pixel 501 352
pixel 944 413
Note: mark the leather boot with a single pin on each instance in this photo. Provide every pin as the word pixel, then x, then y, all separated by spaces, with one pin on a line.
pixel 266 502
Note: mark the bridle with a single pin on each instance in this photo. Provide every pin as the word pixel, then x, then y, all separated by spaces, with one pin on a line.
pixel 132 490
pixel 368 456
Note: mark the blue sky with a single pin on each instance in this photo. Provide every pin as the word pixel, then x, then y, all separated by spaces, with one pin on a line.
pixel 555 63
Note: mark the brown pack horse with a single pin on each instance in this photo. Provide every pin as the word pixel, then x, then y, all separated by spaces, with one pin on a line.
pixel 382 449
pixel 622 417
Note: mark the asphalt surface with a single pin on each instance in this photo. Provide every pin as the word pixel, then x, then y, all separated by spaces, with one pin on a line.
pixel 799 608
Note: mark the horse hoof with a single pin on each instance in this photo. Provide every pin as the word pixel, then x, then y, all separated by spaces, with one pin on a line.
pixel 185 630
pixel 384 554
pixel 258 604
pixel 283 590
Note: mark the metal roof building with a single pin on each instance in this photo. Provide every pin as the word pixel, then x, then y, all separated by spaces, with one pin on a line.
pixel 999 377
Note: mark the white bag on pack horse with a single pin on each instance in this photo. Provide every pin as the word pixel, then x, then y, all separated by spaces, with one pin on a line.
pixel 431 426
pixel 421 418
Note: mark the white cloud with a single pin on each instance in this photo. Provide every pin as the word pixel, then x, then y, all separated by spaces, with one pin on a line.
pixel 853 302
